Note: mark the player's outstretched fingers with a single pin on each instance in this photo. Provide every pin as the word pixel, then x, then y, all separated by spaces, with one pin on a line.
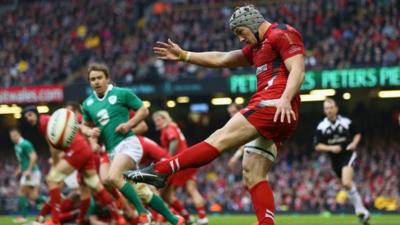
pixel 278 111
pixel 162 44
pixel 288 115
pixel 171 42
pixel 282 116
pixel 293 114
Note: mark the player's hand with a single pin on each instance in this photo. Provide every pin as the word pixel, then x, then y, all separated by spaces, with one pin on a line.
pixel 336 148
pixel 123 128
pixel 95 132
pixel 284 110
pixel 167 51
pixel 351 147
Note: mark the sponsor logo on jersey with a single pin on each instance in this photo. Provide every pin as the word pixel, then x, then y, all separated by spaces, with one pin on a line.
pixel 261 69
pixel 112 99
pixel 340 129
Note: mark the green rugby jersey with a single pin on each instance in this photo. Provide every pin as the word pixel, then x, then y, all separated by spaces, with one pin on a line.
pixel 22 150
pixel 109 112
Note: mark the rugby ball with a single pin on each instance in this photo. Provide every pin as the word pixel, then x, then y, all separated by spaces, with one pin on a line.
pixel 62 128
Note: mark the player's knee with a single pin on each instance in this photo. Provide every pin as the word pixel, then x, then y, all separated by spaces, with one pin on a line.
pixel 111 181
pixel 191 186
pixel 144 192
pixel 92 181
pixel 55 177
pixel 248 177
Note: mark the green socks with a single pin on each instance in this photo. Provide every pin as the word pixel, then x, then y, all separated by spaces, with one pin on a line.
pixel 158 205
pixel 130 194
pixel 23 206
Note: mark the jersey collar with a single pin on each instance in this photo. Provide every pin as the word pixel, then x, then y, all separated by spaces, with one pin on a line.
pixel 336 123
pixel 109 88
pixel 20 140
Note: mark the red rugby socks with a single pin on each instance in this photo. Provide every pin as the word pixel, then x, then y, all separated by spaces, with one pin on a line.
pixel 263 202
pixel 195 156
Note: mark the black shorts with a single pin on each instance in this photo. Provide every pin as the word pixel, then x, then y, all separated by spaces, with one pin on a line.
pixel 342 159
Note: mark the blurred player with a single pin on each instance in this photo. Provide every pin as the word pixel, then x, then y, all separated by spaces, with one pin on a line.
pixel 143 190
pixel 78 156
pixel 337 135
pixel 173 139
pixel 106 117
pixel 276 50
pixel 31 176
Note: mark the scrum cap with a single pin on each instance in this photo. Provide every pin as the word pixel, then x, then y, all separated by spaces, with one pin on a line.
pixel 247 16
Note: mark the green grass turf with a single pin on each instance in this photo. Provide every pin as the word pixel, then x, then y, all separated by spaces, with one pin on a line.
pixel 286 220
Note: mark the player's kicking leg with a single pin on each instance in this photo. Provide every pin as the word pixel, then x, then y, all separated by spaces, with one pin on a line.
pixel 354 197
pixel 237 132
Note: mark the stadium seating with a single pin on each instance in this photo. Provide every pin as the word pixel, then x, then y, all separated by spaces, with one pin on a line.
pixel 37 49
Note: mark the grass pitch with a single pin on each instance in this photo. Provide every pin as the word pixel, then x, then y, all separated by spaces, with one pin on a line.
pixel 377 219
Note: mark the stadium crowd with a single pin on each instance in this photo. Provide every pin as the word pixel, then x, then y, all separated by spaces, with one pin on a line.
pixel 40 49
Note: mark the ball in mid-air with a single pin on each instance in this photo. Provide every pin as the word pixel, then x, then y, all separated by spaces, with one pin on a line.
pixel 62 128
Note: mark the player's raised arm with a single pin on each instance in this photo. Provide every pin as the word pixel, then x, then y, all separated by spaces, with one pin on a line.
pixel 139 116
pixel 172 51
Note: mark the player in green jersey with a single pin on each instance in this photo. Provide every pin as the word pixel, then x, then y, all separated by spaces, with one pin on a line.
pixel 106 117
pixel 30 174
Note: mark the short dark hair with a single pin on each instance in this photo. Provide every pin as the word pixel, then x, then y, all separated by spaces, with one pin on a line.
pixel 12 129
pixel 99 67
pixel 30 108
pixel 75 105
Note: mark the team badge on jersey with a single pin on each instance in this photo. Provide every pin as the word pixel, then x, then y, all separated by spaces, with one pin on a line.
pixel 112 99
pixel 90 102
pixel 261 69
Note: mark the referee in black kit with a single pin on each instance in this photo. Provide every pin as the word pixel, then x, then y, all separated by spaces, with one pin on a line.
pixel 337 135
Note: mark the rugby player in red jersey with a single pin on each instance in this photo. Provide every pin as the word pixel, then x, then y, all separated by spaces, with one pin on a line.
pixel 276 50
pixel 78 156
pixel 173 139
